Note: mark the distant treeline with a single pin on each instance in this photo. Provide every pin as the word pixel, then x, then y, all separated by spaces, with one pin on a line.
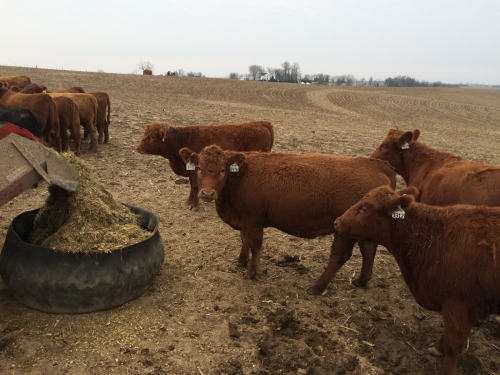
pixel 405 81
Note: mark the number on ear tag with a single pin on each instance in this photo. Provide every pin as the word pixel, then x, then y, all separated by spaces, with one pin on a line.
pixel 190 166
pixel 398 214
pixel 405 146
pixel 234 168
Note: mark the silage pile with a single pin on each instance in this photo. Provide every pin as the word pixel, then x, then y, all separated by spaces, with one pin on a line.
pixel 86 221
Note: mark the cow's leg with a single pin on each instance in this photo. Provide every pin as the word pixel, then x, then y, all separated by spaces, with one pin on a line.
pixel 193 198
pixel 64 137
pixel 100 132
pixel 457 326
pixel 56 140
pixel 77 137
pixel 340 253
pixel 368 251
pixel 244 252
pixel 253 237
pixel 106 132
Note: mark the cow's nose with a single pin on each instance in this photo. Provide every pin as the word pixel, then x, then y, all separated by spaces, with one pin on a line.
pixel 208 194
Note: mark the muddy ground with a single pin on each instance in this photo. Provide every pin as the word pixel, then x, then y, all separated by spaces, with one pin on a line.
pixel 201 316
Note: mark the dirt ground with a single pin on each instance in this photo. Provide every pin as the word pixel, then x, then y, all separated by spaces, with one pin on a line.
pixel 201 316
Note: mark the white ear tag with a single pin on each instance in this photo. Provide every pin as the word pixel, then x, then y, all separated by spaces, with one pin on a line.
pixel 234 168
pixel 190 166
pixel 399 213
pixel 405 146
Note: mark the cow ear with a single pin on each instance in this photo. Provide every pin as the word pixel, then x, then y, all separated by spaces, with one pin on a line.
pixel 238 159
pixel 406 201
pixel 405 140
pixel 410 190
pixel 163 131
pixel 187 155
pixel 416 134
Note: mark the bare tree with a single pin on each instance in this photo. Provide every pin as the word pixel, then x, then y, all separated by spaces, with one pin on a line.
pixel 350 79
pixel 234 76
pixel 271 71
pixel 180 72
pixel 370 81
pixel 255 70
pixel 295 75
pixel 286 70
pixel 146 65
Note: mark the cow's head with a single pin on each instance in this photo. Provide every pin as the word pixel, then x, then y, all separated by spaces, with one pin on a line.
pixel 33 88
pixel 153 139
pixel 395 143
pixel 369 219
pixel 214 168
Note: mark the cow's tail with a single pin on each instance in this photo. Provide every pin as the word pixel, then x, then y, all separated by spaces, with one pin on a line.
pixel 55 126
pixel 270 127
pixel 109 109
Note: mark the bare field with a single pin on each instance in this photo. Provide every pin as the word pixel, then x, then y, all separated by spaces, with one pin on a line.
pixel 201 316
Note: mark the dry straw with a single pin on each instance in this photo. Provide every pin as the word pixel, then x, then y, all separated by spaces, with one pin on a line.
pixel 86 221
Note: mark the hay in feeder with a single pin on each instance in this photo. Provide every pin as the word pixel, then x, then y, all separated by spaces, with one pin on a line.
pixel 86 221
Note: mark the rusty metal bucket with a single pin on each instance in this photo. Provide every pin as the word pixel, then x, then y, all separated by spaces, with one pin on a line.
pixel 25 162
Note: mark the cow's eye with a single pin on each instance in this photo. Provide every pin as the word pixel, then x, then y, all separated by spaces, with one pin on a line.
pixel 199 169
pixel 361 209
pixel 223 170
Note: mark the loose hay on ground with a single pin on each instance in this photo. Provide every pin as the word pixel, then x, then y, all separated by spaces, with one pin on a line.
pixel 86 221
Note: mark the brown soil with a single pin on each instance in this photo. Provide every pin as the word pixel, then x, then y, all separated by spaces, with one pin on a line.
pixel 201 316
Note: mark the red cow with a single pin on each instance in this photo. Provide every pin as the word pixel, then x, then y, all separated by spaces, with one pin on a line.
pixel 166 141
pixel 297 194
pixel 103 115
pixel 87 107
pixel 442 178
pixel 69 120
pixel 42 106
pixel 147 72
pixel 448 257
pixel 19 81
pixel 73 90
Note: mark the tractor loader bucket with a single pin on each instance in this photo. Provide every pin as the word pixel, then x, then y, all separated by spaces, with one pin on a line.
pixel 25 162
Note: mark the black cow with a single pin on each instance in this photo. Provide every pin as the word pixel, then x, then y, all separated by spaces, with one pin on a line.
pixel 23 118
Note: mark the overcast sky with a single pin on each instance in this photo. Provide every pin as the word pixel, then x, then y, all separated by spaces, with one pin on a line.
pixel 453 41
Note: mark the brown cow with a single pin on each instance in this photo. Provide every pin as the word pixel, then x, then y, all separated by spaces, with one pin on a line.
pixel 166 141
pixel 74 90
pixel 42 106
pixel 103 115
pixel 87 106
pixel 19 81
pixel 442 178
pixel 297 194
pixel 448 257
pixel 69 120
pixel 34 88
pixel 147 72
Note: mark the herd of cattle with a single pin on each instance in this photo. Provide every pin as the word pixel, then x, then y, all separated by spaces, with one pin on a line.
pixel 443 229
pixel 54 115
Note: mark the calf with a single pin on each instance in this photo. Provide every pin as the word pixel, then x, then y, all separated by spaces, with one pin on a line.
pixel 297 194
pixel 103 115
pixel 19 81
pixel 448 256
pixel 166 141
pixel 69 120
pixel 23 118
pixel 42 106
pixel 441 178
pixel 87 107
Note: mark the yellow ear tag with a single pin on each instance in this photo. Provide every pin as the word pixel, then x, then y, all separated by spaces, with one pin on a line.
pixel 190 166
pixel 234 168
pixel 405 146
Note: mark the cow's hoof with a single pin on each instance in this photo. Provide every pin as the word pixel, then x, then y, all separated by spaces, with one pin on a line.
pixel 359 283
pixel 239 263
pixel 433 351
pixel 193 208
pixel 251 276
pixel 313 291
